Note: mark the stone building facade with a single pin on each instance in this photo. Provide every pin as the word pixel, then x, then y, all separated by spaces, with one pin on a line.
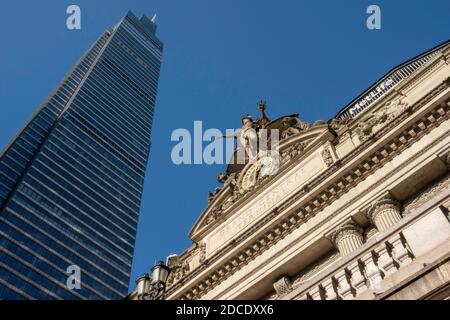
pixel 359 208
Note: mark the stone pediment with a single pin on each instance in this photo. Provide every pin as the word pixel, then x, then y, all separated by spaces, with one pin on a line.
pixel 295 147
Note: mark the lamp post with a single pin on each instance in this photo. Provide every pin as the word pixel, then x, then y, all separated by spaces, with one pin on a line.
pixel 154 287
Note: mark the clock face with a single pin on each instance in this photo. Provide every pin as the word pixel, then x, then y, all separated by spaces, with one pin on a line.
pixel 263 167
pixel 250 177
pixel 269 166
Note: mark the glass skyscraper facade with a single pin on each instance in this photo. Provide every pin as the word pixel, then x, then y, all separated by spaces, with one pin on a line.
pixel 71 181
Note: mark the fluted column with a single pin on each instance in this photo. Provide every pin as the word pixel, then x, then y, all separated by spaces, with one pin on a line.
pixel 347 238
pixel 384 213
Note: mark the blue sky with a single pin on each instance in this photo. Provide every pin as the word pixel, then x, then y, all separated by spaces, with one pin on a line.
pixel 221 57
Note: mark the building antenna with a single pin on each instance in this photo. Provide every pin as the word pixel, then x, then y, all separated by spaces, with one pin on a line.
pixel 154 18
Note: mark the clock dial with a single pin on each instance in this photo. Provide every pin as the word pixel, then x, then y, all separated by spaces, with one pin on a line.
pixel 269 166
pixel 250 177
pixel 263 167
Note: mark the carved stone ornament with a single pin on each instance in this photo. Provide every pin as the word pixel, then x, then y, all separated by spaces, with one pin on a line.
pixel 337 124
pixel 345 229
pixel 293 126
pixel 215 214
pixel 202 252
pixel 291 152
pixel 327 157
pixel 179 269
pixel 283 286
pixel 210 197
pixel 379 119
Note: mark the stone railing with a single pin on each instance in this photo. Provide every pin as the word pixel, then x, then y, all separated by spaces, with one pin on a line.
pixel 356 274
pixel 362 265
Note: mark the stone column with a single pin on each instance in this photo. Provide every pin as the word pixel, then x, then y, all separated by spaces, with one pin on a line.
pixel 347 238
pixel 384 213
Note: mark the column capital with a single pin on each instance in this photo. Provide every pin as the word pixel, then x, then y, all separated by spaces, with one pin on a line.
pixel 349 227
pixel 386 202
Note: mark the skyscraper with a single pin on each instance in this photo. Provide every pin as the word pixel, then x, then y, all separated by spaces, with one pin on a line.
pixel 71 181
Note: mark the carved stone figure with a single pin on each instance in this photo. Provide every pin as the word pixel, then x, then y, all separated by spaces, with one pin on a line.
pixel 210 197
pixel 222 177
pixel 327 157
pixel 247 137
pixel 337 124
pixel 293 126
pixel 263 120
pixel 292 152
pixel 178 268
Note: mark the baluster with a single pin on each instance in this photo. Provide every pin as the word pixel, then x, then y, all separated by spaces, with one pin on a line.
pixel 385 261
pixel 372 272
pixel 330 290
pixel 316 293
pixel 357 281
pixel 399 251
pixel 344 288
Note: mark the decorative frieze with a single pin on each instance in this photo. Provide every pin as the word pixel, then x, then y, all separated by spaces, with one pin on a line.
pixel 379 119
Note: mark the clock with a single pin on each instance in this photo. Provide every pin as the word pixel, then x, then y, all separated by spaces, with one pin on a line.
pixel 263 167
pixel 269 166
pixel 250 177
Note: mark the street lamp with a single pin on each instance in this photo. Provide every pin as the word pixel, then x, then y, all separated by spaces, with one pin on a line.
pixel 153 288
pixel 143 285
pixel 160 272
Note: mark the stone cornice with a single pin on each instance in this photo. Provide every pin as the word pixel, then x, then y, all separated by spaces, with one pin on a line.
pixel 328 194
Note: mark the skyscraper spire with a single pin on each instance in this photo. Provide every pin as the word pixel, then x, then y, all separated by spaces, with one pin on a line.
pixel 154 18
